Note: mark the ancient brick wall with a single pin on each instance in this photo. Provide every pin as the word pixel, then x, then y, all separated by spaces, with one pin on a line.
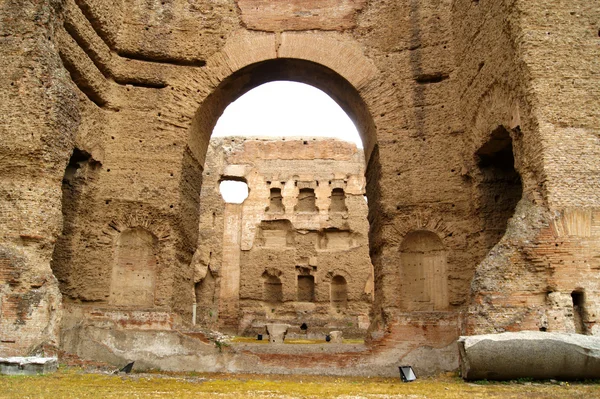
pixel 39 117
pixel 517 89
pixel 443 94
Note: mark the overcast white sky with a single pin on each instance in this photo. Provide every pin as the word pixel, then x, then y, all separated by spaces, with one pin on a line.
pixel 282 109
pixel 286 109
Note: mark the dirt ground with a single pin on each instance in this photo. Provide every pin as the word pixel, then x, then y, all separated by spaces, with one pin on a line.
pixel 74 382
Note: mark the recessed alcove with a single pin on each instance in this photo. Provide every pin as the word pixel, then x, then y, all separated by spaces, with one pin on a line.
pixel 424 274
pixel 272 289
pixel 498 183
pixel 338 201
pixel 134 269
pixel 275 201
pixel 306 200
pixel 306 288
pixel 579 311
pixel 339 292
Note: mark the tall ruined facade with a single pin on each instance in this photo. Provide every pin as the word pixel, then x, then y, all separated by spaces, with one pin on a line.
pixel 480 123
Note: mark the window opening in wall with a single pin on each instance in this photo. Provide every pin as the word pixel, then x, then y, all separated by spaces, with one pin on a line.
pixel 339 292
pixel 306 200
pixel 233 191
pixel 578 298
pixel 275 201
pixel 338 201
pixel 306 288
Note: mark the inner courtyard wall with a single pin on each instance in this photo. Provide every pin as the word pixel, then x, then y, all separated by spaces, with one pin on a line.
pixel 138 86
pixel 289 241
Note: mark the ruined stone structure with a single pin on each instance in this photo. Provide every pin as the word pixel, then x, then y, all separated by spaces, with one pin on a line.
pixel 296 250
pixel 479 120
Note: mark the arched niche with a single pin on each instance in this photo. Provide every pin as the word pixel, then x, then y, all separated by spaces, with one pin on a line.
pixel 424 275
pixel 134 269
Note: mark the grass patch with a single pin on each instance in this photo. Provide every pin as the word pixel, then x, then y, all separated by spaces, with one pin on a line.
pixel 77 383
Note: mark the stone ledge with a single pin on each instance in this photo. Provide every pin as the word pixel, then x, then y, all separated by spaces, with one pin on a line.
pixel 28 365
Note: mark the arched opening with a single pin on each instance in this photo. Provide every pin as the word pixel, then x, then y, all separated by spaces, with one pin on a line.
pixel 284 197
pixel 339 292
pixel 498 183
pixel 424 276
pixel 134 269
pixel 281 69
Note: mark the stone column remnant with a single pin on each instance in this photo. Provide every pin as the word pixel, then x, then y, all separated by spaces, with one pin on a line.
pixel 336 337
pixel 277 333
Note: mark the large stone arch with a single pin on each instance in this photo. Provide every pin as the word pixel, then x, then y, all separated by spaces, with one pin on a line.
pixel 326 61
pixel 330 62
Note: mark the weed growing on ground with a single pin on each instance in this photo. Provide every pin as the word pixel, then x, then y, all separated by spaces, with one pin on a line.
pixel 70 382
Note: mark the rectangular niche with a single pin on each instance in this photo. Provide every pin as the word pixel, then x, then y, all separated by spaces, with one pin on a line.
pixel 275 234
pixel 275 201
pixel 306 201
pixel 306 288
pixel 337 240
pixel 338 201
pixel 272 289
pixel 275 238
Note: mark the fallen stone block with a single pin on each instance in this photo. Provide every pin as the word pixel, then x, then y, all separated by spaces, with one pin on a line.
pixel 28 365
pixel 277 333
pixel 529 354
pixel 336 337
